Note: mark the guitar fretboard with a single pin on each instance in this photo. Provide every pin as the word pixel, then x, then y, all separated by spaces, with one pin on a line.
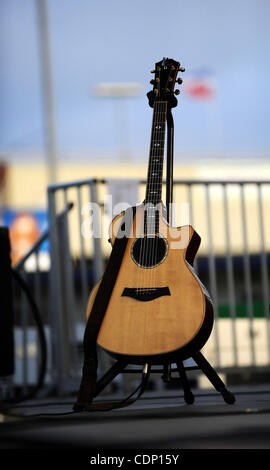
pixel 155 167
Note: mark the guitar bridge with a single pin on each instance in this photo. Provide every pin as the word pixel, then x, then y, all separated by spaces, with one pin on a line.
pixel 145 294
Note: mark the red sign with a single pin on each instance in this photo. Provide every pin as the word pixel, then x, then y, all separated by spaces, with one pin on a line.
pixel 200 85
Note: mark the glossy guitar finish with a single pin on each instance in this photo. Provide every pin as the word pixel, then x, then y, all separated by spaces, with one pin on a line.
pixel 140 329
pixel 158 306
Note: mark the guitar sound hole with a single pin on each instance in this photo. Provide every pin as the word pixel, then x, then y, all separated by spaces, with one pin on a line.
pixel 148 252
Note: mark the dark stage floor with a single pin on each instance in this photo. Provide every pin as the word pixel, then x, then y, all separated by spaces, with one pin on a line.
pixel 156 421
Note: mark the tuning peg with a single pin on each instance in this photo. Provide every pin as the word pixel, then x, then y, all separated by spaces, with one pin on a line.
pixel 177 92
pixel 182 69
pixel 179 80
pixel 153 71
pixel 152 82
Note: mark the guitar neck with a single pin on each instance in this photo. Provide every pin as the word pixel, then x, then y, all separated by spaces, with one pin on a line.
pixel 156 157
pixel 155 168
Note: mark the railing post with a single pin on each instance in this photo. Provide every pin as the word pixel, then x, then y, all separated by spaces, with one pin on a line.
pixel 212 272
pixel 264 268
pixel 98 265
pixel 247 275
pixel 230 274
pixel 59 341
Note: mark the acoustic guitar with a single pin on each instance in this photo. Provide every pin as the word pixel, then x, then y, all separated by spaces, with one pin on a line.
pixel 158 308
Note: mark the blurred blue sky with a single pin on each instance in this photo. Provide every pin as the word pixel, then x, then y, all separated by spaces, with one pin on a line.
pixel 95 41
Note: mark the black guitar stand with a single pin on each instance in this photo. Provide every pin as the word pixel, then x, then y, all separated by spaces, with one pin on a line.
pixel 202 364
pixel 197 356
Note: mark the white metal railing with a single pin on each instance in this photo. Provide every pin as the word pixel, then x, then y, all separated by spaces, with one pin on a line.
pixel 232 226
pixel 231 218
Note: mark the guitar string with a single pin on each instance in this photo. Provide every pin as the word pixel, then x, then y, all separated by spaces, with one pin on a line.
pixel 157 163
pixel 149 241
pixel 157 156
pixel 144 219
pixel 153 169
pixel 155 186
pixel 147 220
pixel 149 245
pixel 142 247
pixel 159 185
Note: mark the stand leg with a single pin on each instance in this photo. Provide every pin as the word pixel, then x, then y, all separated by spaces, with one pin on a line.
pixel 109 376
pixel 213 377
pixel 188 395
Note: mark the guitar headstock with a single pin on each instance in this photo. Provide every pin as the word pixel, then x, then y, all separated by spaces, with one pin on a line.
pixel 164 82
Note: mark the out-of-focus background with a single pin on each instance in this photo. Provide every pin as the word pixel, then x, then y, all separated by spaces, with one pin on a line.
pixel 75 117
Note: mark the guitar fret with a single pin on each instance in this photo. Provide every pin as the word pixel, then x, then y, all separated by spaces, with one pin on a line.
pixel 155 167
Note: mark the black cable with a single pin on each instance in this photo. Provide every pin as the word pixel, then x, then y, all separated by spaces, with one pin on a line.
pixel 36 415
pixel 159 397
pixel 95 407
pixel 191 413
pixel 125 402
pixel 141 386
pixel 43 365
pixel 37 405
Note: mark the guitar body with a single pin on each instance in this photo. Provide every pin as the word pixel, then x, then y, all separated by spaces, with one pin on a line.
pixel 152 305
pixel 156 311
